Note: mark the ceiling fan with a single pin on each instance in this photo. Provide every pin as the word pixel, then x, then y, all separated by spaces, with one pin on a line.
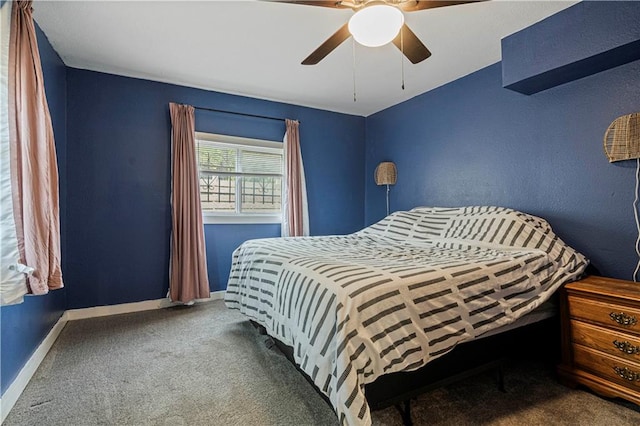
pixel 375 23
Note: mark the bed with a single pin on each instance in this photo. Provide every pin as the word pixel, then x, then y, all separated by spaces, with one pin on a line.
pixel 398 294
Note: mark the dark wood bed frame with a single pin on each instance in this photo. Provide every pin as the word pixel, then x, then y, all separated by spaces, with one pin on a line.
pixel 540 340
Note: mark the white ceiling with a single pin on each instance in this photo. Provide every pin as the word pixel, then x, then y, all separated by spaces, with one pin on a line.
pixel 254 48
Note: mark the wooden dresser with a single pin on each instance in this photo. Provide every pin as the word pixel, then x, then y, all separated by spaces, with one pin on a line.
pixel 601 336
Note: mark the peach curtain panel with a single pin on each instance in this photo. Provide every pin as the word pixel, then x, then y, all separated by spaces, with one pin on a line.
pixel 295 221
pixel 188 267
pixel 34 167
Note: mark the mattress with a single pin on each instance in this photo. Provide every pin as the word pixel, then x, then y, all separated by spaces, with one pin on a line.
pixel 397 294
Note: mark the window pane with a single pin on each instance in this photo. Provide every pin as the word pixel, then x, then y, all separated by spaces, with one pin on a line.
pixel 239 178
pixel 261 194
pixel 218 193
pixel 215 159
pixel 261 162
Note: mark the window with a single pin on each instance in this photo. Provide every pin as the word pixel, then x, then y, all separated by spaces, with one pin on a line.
pixel 240 179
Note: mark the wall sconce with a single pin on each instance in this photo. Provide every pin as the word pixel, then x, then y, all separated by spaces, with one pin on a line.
pixel 622 138
pixel 622 142
pixel 386 174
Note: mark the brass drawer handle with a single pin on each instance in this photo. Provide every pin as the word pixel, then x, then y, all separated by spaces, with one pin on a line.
pixel 627 347
pixel 627 374
pixel 623 319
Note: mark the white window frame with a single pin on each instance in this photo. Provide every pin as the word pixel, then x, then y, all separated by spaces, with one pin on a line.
pixel 237 216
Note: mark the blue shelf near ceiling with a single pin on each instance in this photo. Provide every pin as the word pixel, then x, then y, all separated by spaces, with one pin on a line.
pixel 579 41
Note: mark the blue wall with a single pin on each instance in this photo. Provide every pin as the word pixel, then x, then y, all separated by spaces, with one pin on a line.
pixel 471 142
pixel 119 181
pixel 24 326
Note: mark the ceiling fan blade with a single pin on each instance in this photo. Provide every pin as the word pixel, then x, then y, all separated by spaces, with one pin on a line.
pixel 411 45
pixel 322 3
pixel 412 6
pixel 327 47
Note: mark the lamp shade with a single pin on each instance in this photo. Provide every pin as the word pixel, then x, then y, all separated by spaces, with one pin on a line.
pixel 376 25
pixel 386 173
pixel 622 139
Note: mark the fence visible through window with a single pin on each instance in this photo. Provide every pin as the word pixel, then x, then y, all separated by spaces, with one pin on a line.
pixel 258 194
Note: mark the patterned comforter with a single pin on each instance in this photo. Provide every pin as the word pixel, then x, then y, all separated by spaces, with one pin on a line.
pixel 398 293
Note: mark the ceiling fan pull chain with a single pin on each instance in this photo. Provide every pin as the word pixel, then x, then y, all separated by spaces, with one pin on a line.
pixel 402 55
pixel 354 67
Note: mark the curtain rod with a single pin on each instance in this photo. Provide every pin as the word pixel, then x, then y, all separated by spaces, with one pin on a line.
pixel 266 117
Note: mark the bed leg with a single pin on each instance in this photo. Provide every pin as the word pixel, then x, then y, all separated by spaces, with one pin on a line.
pixel 269 343
pixel 405 412
pixel 261 329
pixel 500 378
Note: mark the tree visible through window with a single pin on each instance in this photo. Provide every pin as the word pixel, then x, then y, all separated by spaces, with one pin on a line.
pixel 239 177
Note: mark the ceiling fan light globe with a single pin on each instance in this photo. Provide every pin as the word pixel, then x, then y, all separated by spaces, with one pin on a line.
pixel 376 25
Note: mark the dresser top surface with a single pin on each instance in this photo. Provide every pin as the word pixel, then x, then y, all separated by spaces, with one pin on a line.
pixel 606 287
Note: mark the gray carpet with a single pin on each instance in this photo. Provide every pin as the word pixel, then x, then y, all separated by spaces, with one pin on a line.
pixel 206 365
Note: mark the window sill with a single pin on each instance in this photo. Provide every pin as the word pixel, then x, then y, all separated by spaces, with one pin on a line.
pixel 241 219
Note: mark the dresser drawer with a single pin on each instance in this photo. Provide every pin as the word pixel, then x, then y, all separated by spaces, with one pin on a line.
pixel 610 315
pixel 614 369
pixel 596 312
pixel 623 345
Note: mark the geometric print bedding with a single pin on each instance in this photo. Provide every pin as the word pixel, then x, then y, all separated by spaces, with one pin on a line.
pixel 398 293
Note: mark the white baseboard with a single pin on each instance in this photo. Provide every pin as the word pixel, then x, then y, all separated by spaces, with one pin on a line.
pixel 13 392
pixel 126 308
